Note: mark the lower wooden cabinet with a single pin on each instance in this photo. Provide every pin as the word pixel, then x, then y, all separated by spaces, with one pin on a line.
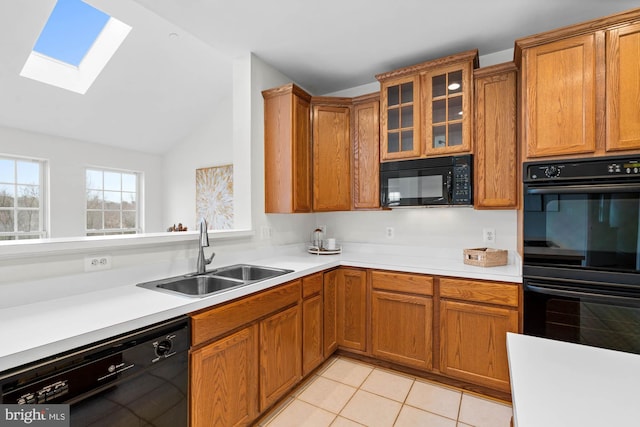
pixel 330 307
pixel 473 331
pixel 280 355
pixel 402 318
pixel 352 308
pixel 224 390
pixel 312 323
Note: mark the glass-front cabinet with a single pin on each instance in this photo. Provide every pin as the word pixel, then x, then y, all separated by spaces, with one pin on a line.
pixel 400 118
pixel 447 100
pixel 426 108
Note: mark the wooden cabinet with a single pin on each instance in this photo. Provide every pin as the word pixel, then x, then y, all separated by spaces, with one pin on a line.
pixel 312 322
pixel 448 99
pixel 366 152
pixel 245 355
pixel 475 317
pixel 330 306
pixel 426 109
pixel 580 88
pixel 623 88
pixel 331 154
pixel 400 116
pixel 402 318
pixel 224 390
pixel 287 150
pixel 559 97
pixel 496 163
pixel 351 310
pixel 280 355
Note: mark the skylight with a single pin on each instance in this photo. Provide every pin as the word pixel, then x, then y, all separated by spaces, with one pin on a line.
pixel 74 46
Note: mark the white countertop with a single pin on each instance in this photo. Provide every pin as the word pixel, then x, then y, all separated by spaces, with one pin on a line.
pixel 560 384
pixel 32 331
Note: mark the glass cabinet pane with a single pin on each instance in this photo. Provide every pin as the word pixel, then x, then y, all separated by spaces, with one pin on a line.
pixel 455 82
pixel 455 108
pixel 455 134
pixel 394 118
pixel 439 85
pixel 439 111
pixel 393 95
pixel 407 140
pixel 393 142
pixel 439 136
pixel 406 94
pixel 407 117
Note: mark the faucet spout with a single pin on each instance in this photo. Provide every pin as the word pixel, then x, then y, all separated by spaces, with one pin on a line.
pixel 203 243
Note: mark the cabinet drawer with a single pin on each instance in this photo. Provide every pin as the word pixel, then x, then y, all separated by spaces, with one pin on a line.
pixel 402 282
pixel 311 285
pixel 212 323
pixel 474 290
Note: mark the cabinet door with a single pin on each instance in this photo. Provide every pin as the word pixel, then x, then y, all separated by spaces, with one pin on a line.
pixel 331 158
pixel 559 96
pixel 287 150
pixel 473 342
pixel 402 328
pixel 312 351
pixel 280 355
pixel 496 180
pixel 366 155
pixel 623 88
pixel 330 300
pixel 400 118
pixel 447 109
pixel 352 308
pixel 224 381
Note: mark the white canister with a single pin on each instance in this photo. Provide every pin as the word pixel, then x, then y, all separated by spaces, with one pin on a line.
pixel 330 244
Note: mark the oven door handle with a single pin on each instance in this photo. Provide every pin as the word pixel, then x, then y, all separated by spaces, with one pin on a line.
pixel 590 189
pixel 564 292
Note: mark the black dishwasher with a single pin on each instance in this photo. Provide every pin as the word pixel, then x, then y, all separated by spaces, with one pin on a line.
pixel 135 379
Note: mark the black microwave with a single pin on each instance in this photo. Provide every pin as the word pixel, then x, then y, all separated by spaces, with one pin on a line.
pixel 438 181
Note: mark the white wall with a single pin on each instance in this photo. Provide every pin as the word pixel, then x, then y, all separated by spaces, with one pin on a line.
pixel 68 159
pixel 209 145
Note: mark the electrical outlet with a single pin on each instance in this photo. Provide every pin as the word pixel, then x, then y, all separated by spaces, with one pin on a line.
pixel 95 263
pixel 266 232
pixel 389 232
pixel 489 235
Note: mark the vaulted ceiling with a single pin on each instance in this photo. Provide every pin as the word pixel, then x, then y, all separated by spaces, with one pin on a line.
pixel 176 65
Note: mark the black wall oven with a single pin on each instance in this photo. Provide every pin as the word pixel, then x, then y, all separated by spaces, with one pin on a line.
pixel 581 251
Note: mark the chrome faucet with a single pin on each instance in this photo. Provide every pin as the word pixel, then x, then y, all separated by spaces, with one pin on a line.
pixel 204 242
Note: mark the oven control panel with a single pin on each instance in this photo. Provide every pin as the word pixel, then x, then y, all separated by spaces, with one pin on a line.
pixel 590 168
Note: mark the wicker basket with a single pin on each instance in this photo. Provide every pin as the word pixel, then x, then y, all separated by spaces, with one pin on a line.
pixel 485 257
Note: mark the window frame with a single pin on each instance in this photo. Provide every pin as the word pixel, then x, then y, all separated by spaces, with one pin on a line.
pixel 43 205
pixel 105 232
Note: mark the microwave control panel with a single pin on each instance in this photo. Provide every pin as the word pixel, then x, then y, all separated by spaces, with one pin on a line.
pixel 462 191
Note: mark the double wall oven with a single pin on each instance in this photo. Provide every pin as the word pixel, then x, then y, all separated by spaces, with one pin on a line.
pixel 581 251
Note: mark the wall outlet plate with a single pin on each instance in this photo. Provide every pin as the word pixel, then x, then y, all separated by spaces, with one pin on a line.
pixel 489 235
pixel 98 262
pixel 390 232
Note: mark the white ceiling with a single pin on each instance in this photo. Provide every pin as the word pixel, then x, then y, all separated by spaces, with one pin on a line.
pixel 157 89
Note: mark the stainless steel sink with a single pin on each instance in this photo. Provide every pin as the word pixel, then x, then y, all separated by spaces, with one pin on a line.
pixel 249 273
pixel 224 278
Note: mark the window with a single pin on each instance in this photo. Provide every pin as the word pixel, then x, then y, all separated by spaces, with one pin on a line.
pixel 112 202
pixel 74 46
pixel 22 196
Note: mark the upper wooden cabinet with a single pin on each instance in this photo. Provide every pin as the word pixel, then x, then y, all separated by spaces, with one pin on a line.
pixel 287 150
pixel 366 152
pixel 623 88
pixel 496 178
pixel 331 123
pixel 426 109
pixel 580 88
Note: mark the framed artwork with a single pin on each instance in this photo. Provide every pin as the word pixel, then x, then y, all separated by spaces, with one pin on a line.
pixel 214 196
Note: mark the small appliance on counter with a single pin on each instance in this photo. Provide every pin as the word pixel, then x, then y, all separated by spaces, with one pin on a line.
pixel 320 246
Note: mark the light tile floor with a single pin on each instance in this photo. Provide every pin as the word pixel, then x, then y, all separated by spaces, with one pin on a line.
pixel 345 392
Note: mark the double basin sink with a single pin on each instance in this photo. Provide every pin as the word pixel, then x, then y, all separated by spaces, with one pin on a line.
pixel 224 278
